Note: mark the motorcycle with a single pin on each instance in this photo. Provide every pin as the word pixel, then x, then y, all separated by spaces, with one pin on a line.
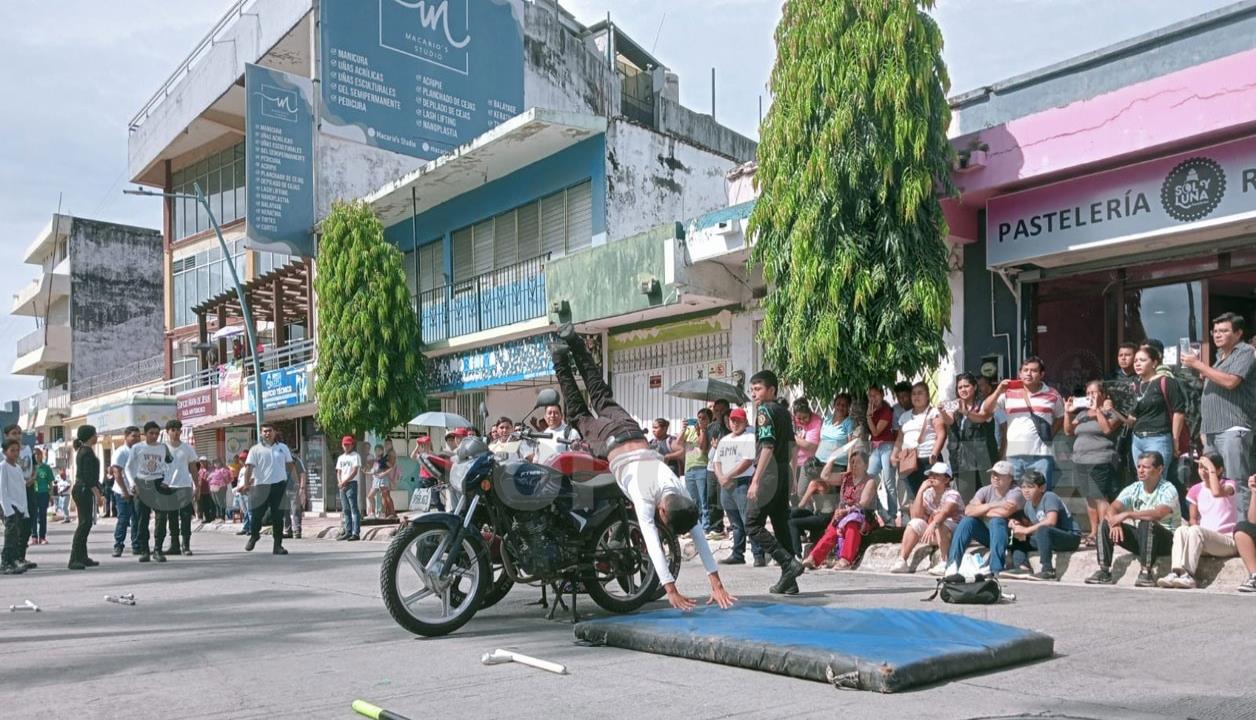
pixel 562 525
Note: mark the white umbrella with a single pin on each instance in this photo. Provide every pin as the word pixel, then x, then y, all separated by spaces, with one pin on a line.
pixel 441 420
pixel 226 332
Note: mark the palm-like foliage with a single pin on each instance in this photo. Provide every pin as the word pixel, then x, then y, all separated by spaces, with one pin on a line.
pixel 370 371
pixel 848 227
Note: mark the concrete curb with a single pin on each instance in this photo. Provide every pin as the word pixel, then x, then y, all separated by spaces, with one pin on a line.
pixel 1215 574
pixel 372 533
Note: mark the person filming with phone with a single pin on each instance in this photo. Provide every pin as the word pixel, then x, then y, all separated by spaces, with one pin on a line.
pixel 1094 423
pixel 1035 413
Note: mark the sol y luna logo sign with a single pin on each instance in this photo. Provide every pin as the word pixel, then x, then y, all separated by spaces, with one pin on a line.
pixel 1193 189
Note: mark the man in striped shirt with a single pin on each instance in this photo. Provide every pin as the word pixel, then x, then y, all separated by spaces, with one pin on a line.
pixel 1035 413
pixel 1228 405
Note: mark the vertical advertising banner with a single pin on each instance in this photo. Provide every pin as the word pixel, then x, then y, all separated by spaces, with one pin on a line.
pixel 279 161
pixel 420 77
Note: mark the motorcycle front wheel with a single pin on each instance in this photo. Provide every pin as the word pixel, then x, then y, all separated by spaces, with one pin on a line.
pixel 416 595
pixel 620 578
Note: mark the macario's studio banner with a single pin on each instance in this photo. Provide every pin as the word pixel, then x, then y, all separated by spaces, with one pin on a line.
pixel 279 161
pixel 420 77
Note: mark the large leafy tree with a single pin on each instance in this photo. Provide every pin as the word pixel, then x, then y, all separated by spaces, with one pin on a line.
pixel 848 227
pixel 370 373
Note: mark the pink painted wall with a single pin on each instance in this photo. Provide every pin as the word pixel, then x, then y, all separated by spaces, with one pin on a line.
pixel 1188 107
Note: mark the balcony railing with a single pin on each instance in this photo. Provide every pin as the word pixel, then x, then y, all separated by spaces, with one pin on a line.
pixel 33 341
pixel 294 353
pixel 505 296
pixel 55 399
pixel 145 376
pixel 126 376
pixel 202 48
pixel 59 399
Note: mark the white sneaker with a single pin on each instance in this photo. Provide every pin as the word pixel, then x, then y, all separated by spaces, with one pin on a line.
pixel 1184 582
pixel 715 535
pixel 940 569
pixel 900 567
pixel 1168 581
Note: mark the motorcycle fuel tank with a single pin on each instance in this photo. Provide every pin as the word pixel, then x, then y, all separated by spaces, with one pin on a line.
pixel 529 487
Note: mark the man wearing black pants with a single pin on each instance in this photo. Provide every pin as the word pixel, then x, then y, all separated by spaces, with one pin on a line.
pixel 148 464
pixel 768 497
pixel 182 475
pixel 26 461
pixel 642 476
pixel 268 465
pixel 1142 520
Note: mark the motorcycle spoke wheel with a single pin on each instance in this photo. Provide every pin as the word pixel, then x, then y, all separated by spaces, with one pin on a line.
pixel 620 577
pixel 421 594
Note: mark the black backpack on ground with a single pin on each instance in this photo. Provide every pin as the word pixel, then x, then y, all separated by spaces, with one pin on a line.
pixel 958 590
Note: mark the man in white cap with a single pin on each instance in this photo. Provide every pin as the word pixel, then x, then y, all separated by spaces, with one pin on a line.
pixel 986 519
pixel 935 513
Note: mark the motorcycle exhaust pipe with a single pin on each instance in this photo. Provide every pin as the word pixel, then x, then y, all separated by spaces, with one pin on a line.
pixel 501 657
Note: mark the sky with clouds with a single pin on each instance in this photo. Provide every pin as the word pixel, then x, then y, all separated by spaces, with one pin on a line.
pixel 77 70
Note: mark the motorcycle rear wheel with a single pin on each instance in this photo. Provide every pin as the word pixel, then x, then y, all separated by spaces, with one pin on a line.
pixel 620 579
pixel 405 581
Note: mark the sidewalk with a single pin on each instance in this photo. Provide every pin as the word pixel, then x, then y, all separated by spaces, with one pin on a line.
pixel 313 527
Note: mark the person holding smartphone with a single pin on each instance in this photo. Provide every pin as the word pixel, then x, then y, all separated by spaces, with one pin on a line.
pixel 1035 413
pixel 1095 424
pixel 971 442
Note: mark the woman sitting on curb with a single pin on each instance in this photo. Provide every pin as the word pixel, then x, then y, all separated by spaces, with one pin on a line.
pixel 1210 529
pixel 853 517
pixel 935 512
pixel 1245 539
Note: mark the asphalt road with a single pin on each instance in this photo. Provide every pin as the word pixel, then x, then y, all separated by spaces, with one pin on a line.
pixel 228 634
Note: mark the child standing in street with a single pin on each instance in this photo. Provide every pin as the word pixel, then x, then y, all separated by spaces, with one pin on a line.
pixel 14 508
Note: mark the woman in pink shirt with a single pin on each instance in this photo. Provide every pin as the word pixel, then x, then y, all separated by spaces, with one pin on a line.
pixel 1214 513
pixel 219 480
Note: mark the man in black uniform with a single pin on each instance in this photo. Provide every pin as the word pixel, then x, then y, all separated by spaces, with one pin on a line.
pixel 768 496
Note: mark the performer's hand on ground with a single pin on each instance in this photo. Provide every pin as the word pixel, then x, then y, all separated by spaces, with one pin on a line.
pixel 678 601
pixel 719 595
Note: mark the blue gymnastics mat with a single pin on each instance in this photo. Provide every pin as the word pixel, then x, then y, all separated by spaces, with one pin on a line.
pixel 880 650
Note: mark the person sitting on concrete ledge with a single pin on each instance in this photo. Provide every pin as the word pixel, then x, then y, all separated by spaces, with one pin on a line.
pixel 986 519
pixel 935 512
pixel 1210 530
pixel 855 514
pixel 1245 539
pixel 1142 520
pixel 1046 526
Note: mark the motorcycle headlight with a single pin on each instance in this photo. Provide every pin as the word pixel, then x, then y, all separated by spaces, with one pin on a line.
pixel 467 475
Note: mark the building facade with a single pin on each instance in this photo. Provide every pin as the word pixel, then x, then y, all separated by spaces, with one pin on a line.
pixel 97 307
pixel 594 150
pixel 1110 198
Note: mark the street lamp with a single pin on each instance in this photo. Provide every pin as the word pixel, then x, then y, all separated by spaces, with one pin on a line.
pixel 235 278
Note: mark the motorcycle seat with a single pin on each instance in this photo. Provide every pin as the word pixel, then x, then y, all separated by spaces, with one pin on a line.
pixel 596 486
pixel 579 466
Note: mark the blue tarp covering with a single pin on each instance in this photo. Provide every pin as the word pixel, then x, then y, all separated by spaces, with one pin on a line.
pixel 882 650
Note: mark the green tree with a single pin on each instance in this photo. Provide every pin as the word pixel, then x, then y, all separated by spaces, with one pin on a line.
pixel 371 375
pixel 848 227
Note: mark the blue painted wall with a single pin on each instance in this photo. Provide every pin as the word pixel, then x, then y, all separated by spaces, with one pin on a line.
pixel 583 161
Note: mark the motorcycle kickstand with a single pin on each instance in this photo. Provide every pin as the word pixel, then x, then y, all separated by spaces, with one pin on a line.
pixel 575 616
pixel 558 602
pixel 543 603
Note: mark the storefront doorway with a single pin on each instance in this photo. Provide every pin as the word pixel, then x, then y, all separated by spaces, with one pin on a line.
pixel 1077 321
